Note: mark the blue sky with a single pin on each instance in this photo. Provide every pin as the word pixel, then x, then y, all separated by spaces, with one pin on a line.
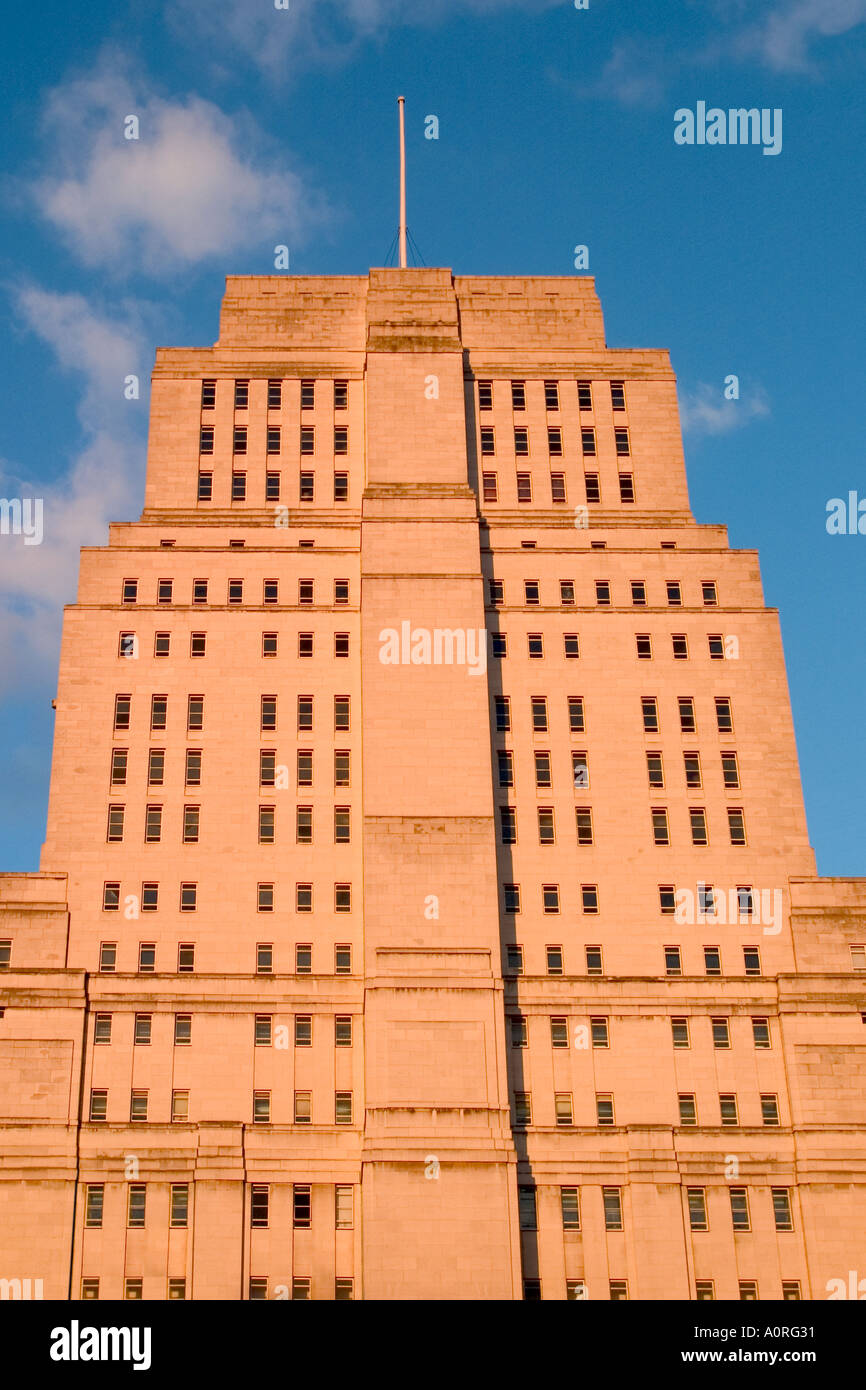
pixel 262 126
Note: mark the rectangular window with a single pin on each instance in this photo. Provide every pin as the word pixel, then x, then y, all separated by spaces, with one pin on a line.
pixel 138 1107
pixel 687 1110
pixel 587 440
pixel 527 1208
pixel 343 1031
pixel 740 1209
pixel 563 1109
pixel 303 959
pixel 673 960
pixel 686 706
pixel 518 395
pixel 593 489
pixel 554 441
pixel 260 1193
pixel 650 713
pixel 485 395
pixel 680 1032
pixel 306 483
pixel 612 1200
pixel 623 447
pixel 261 1107
pixel 576 720
pixel 736 825
pixel 179 1204
pixel 626 487
pixel 205 446
pixel 343 1108
pixel 617 395
pixel 344 1207
pixel 782 1209
pixel 180 1107
pixel 185 958
pixel 195 713
pixel 182 1030
pixel 769 1110
pixel 661 831
pixel 136 1204
pixel 593 960
pixel 341 440
pixel 761 1032
pixel 554 960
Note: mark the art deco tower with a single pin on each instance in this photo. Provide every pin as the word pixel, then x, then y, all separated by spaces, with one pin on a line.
pixel 369 961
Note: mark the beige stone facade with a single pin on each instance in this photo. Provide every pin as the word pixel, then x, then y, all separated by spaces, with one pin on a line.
pixel 427 908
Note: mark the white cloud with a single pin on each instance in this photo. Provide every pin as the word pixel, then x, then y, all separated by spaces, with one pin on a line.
pixel 782 39
pixel 187 190
pixel 103 482
pixel 706 411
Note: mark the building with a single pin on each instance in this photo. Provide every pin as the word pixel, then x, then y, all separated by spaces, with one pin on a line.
pixel 427 908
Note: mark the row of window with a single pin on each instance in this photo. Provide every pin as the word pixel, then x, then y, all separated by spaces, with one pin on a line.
pixel 649 707
pixel 179 1206
pixel 696 1200
pixel 551 394
pixel 165 592
pixel 264 957
pixel 673 964
pixel 127 644
pixel 580 769
pixel 270 772
pixel 586 834
pixel 267 823
pixel 273 483
pixel 263 1024
pixel 603 593
pixel 705 1290
pixel 195 712
pixel 301 1289
pixel 740 902
pixel 558 488
pixel 604 1110
pixel 274 439
pixel 597 1033
pixel 261 1108
pixel 555 445
pixel 717 645
pixel 241 387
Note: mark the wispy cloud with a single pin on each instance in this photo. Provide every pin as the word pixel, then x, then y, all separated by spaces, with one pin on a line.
pixel 311 33
pixel 705 410
pixel 782 38
pixel 187 190
pixel 103 481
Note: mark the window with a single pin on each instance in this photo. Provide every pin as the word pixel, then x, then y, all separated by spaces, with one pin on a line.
pixel 341 713
pixel 303 959
pixel 306 481
pixel 195 713
pixel 583 822
pixel 593 491
pixel 728 1109
pixel 680 646
pixel 535 645
pixel 527 1208
pixel 519 1037
pixel 343 1031
pixel 712 960
pixel 186 958
pixel 697 1200
pixel 587 440
pixel 621 439
pixel 304 825
pixel 485 395
pixel 179 1204
pixel 521 448
pixel 158 711
pixel 730 771
pixel 661 830
pixel 303 1110
pixel 550 897
pixel 107 957
pixel 617 395
pixel 122 705
pixel 740 1209
pixel 791 1290
pixel 341 644
pixel 546 828
pixel 551 395
pixel 101 1022
pixel 626 487
pixel 571 644
pixel 142 1030
pixel 554 441
pixel 761 1032
pixel 512 897
pixel 89 1289
pixel 752 960
pixel 530 592
pixel 724 716
pixel 507 825
pixel 721 1032
pixel 673 960
pixel 343 1108
pixel 138 1106
pixel 344 1207
pixel 182 1030
pixel 342 960
pixel 303 897
pixel 146 957
pixel 589 897
pixel 262 1030
pixel 604 1109
pixel 558 1032
pixel 554 960
pixel 488 445
pixel 612 1199
pixel 114 831
pixel 205 482
pixel 680 1032
pixel 490 487
pixel 570 1208
pixel 563 1109
pixel 518 395
pixel 260 1193
pixel 708 593
pixel 557 488
pixel 769 1110
pixel 736 825
pixel 261 1107
pixel 191 819
pixel 110 897
pixel 539 714
pixel 858 959
pixel 522 1109
pixel 503 714
pixel 136 1204
pixel 649 711
pixel 205 446
pixel 593 960
pixel 576 714
pixel 600 1032
pixel 705 1291
pixel 643 643
pixel 342 897
pixel 782 1209
pixel 698 823
pixel 687 1109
